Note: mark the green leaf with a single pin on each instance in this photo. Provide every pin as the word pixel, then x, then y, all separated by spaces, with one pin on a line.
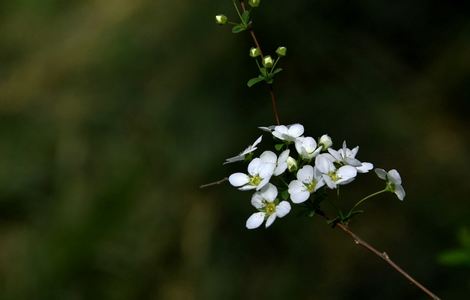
pixel 276 71
pixel 278 147
pixel 238 28
pixel 285 195
pixel 263 72
pixel 246 17
pixel 254 81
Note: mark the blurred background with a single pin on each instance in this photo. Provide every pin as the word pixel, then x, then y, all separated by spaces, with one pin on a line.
pixel 113 112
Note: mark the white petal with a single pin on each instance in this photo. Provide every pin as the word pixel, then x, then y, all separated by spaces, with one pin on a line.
pixel 296 130
pixel 319 184
pixel 309 144
pixel 269 192
pixel 330 183
pixel 335 154
pixel 281 129
pixel 281 168
pixel 305 174
pixel 283 156
pixel 381 173
pixel 354 151
pixel 346 172
pixel 400 192
pixel 263 182
pixel 257 200
pixel 323 164
pixel 234 159
pixel 352 162
pixel 238 179
pixel 268 128
pixel 299 145
pixel 258 140
pixel 299 197
pixel 266 170
pixel 253 167
pixel 255 220
pixel 296 186
pixel 394 176
pixel 283 209
pixel 268 157
pixel 247 187
pixel 270 220
pixel 365 167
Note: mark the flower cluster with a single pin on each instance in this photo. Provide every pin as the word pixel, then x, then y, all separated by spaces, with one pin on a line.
pixel 301 168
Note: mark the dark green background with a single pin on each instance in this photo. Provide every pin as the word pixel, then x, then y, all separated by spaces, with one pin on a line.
pixel 113 112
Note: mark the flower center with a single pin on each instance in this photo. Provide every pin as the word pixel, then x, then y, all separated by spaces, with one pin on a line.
pixel 311 186
pixel 270 208
pixel 334 176
pixel 255 180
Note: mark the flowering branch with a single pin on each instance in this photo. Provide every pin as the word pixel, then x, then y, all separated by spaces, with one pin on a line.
pixel 306 179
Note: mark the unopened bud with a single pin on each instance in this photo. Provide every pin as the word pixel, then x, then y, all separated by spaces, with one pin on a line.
pixel 325 141
pixel 255 52
pixel 292 165
pixel 281 51
pixel 221 19
pixel 254 3
pixel 268 62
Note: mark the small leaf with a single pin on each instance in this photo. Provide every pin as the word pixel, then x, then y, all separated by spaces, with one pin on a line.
pixel 263 72
pixel 285 195
pixel 278 147
pixel 238 28
pixel 276 71
pixel 254 81
pixel 246 17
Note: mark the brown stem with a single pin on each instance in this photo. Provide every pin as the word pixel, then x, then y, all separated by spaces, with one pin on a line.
pixel 386 258
pixel 383 255
pixel 255 41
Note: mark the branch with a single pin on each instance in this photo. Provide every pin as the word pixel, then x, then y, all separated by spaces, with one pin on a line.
pixel 255 41
pixel 383 255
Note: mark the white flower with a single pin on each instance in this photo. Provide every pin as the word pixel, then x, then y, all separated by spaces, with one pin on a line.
pixel 346 156
pixel 393 181
pixel 269 209
pixel 281 164
pixel 260 171
pixel 307 147
pixel 325 141
pixel 288 133
pixel 244 153
pixel 331 175
pixel 309 180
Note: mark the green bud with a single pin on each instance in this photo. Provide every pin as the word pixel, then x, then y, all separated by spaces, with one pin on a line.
pixel 281 51
pixel 254 3
pixel 255 52
pixel 221 19
pixel 292 165
pixel 268 62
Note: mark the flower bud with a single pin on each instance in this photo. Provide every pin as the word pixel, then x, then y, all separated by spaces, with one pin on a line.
pixel 254 3
pixel 268 62
pixel 221 19
pixel 255 52
pixel 325 141
pixel 292 165
pixel 281 51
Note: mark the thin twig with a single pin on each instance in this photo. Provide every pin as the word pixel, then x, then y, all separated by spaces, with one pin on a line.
pixel 214 183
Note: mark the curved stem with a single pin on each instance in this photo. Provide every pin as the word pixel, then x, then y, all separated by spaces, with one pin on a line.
pixel 367 197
